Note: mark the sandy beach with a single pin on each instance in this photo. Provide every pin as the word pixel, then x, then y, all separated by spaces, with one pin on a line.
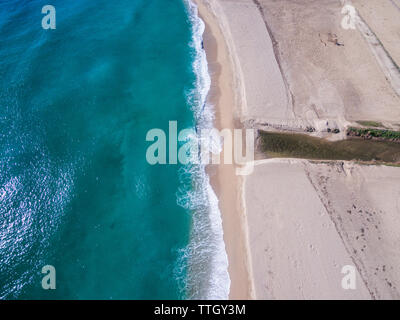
pixel 312 219
pixel 231 202
pixel 293 224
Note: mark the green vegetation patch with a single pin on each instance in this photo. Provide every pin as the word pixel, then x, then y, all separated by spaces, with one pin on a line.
pixel 368 133
pixel 281 145
pixel 371 124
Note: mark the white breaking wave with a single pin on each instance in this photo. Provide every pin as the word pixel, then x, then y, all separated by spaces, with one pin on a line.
pixel 205 257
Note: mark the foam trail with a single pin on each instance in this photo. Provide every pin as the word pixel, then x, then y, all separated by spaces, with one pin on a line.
pixel 205 257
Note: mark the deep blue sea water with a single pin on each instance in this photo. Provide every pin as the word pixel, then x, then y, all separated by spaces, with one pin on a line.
pixel 76 191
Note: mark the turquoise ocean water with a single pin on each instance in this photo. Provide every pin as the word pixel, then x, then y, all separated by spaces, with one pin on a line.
pixel 76 191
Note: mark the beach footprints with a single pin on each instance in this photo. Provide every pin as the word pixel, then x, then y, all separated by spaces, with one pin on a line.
pixel 49 20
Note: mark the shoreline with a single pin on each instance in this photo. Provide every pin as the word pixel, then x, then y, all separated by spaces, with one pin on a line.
pixel 293 225
pixel 227 186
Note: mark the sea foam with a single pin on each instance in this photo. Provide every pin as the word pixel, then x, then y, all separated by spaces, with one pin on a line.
pixel 205 257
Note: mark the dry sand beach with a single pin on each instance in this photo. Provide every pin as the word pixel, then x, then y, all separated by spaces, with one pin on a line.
pixel 291 225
